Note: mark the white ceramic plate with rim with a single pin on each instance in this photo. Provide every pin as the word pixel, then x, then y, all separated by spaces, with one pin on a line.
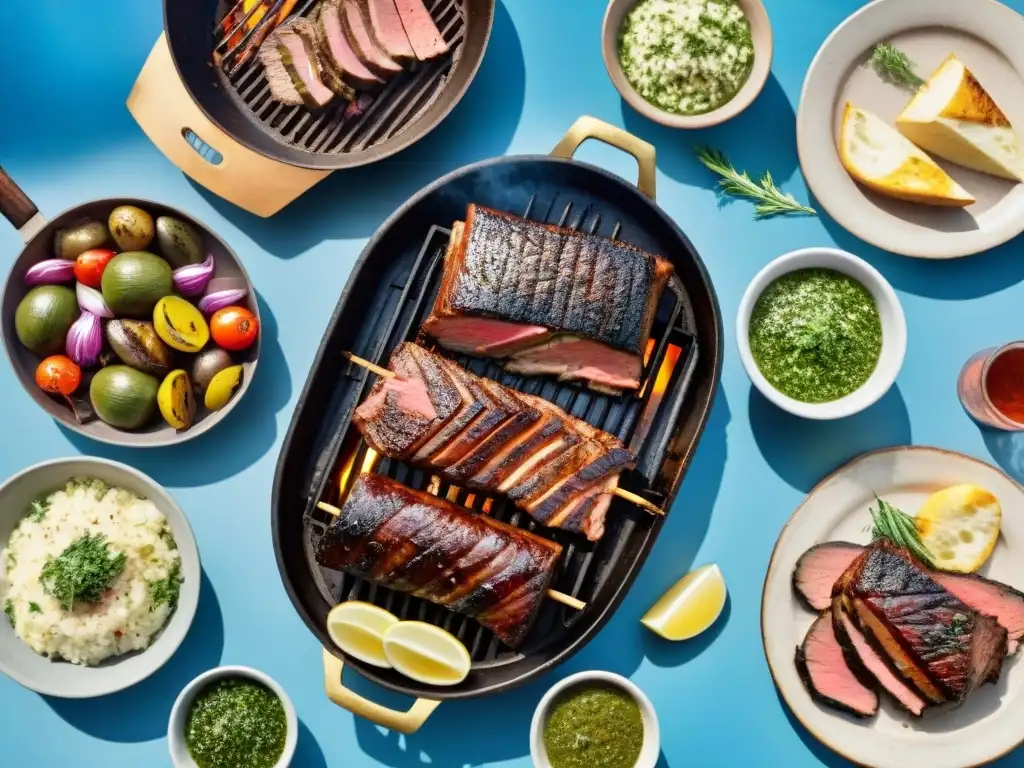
pixel 986 36
pixel 989 723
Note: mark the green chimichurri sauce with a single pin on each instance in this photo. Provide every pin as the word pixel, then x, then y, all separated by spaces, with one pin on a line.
pixel 236 724
pixel 686 56
pixel 594 728
pixel 816 335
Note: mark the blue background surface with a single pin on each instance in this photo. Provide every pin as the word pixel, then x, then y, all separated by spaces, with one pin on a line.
pixel 66 137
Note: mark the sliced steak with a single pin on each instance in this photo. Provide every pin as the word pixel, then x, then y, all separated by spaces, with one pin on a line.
pixel 338 50
pixel 293 69
pixel 420 29
pixel 860 655
pixel 356 23
pixel 825 673
pixel 388 30
pixel 571 358
pixel 937 642
pixel 820 567
pixel 327 73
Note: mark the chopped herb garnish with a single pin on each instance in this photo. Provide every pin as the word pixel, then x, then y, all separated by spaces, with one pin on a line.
pixel 82 572
pixel 894 66
pixel 9 610
pixel 899 528
pixel 38 510
pixel 167 590
pixel 34 608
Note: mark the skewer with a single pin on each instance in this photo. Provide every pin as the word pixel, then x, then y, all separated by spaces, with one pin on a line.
pixel 632 498
pixel 558 597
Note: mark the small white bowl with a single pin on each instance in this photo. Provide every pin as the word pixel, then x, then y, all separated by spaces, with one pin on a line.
pixel 760 33
pixel 894 331
pixel 652 739
pixel 179 713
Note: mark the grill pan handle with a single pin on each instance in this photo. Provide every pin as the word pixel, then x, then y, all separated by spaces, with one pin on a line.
pixel 592 128
pixel 18 209
pixel 163 108
pixel 403 722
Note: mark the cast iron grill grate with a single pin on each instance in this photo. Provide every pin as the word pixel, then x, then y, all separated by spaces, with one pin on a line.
pixel 337 129
pixel 639 420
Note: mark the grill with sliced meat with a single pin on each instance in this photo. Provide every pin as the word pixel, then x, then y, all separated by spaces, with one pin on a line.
pixel 480 434
pixel 548 300
pixel 938 644
pixel 417 543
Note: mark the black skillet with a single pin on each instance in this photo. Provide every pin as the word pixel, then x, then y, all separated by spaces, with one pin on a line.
pixel 362 323
pixel 38 235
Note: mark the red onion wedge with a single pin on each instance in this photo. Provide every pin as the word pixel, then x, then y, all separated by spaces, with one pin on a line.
pixel 192 279
pixel 85 339
pixel 50 271
pixel 91 300
pixel 211 302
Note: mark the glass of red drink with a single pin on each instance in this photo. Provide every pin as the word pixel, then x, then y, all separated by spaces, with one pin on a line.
pixel 991 386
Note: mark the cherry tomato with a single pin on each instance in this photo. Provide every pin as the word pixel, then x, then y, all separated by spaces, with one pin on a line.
pixel 234 328
pixel 59 375
pixel 89 266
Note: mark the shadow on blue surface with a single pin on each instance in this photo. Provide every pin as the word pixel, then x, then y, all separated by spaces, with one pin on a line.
pixel 1007 448
pixel 734 137
pixel 353 203
pixel 812 449
pixel 947 279
pixel 820 751
pixel 250 430
pixel 135 714
pixel 307 751
pixel 618 647
pixel 665 653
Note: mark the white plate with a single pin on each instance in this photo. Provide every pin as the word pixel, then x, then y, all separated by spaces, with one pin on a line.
pixel 989 724
pixel 986 36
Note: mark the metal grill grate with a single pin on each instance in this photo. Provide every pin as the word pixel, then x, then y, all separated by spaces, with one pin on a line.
pixel 584 565
pixel 337 129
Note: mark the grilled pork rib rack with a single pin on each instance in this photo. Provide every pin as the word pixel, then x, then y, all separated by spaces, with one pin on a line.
pixel 417 543
pixel 548 300
pixel 477 433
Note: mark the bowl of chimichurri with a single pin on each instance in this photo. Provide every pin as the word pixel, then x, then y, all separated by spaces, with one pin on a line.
pixel 595 720
pixel 821 333
pixel 232 717
pixel 687 63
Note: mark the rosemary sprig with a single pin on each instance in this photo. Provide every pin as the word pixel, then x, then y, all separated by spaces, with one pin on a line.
pixel 894 66
pixel 898 527
pixel 771 201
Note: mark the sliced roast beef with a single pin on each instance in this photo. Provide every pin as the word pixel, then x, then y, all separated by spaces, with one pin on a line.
pixel 571 358
pixel 861 656
pixel 420 29
pixel 338 50
pixel 293 68
pixel 355 22
pixel 824 671
pixel 820 567
pixel 388 30
pixel 934 640
pixel 326 72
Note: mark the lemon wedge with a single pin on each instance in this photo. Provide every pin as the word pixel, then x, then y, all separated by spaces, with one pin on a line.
pixel 358 629
pixel 875 154
pixel 959 525
pixel 953 116
pixel 690 607
pixel 426 653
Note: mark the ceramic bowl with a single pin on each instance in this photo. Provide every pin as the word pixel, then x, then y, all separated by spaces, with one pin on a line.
pixel 58 678
pixel 652 738
pixel 761 32
pixel 180 757
pixel 894 331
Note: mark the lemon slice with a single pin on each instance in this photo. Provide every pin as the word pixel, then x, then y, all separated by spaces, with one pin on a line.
pixel 426 653
pixel 880 158
pixel 690 607
pixel 358 629
pixel 959 525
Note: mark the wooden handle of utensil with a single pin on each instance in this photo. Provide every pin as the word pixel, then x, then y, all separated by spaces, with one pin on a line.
pixel 403 722
pixel 15 205
pixel 164 109
pixel 592 128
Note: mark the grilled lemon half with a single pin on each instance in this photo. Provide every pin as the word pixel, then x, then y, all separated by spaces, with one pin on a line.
pixel 879 157
pixel 960 525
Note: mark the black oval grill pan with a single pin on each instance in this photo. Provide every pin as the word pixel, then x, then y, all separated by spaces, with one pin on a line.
pixel 389 294
pixel 408 107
